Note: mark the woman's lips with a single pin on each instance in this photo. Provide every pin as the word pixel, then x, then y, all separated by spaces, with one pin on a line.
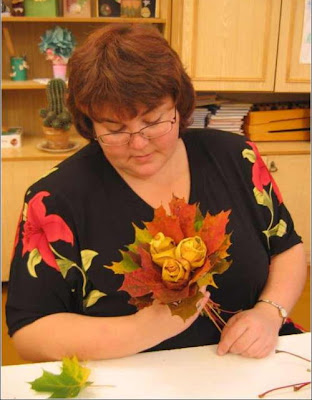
pixel 143 158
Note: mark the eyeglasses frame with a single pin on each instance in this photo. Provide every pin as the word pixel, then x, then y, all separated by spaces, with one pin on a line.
pixel 173 121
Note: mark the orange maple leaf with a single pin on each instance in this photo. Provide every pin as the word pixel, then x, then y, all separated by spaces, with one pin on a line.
pixel 212 231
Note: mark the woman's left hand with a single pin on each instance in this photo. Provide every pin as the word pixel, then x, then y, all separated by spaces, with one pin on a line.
pixel 251 333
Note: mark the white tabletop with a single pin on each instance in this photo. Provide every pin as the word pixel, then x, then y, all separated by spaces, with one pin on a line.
pixel 191 373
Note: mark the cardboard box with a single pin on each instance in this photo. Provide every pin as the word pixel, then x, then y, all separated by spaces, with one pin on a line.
pixel 11 137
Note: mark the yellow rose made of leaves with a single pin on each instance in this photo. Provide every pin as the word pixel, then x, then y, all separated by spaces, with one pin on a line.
pixel 161 248
pixel 193 250
pixel 176 271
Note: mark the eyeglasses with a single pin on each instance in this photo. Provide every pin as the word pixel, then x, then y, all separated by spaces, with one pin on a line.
pixel 149 132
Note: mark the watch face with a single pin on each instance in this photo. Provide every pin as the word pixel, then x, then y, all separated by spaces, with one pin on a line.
pixel 283 312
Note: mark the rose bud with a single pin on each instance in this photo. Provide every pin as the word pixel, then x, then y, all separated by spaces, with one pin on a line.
pixel 193 250
pixel 176 273
pixel 161 247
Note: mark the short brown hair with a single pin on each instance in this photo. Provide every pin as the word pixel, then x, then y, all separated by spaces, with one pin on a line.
pixel 124 66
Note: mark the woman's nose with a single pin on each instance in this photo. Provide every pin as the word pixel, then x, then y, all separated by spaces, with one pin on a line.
pixel 137 141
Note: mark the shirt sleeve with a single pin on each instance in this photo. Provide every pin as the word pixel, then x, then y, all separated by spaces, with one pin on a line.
pixel 276 223
pixel 46 276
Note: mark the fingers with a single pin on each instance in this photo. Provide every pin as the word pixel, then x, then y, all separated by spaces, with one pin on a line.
pixel 230 337
pixel 247 335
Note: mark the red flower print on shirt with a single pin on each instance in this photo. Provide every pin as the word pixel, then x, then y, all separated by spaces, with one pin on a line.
pixel 41 229
pixel 261 176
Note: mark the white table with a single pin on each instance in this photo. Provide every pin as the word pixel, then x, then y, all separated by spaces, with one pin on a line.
pixel 191 373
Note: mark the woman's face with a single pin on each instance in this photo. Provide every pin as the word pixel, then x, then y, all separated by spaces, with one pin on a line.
pixel 141 157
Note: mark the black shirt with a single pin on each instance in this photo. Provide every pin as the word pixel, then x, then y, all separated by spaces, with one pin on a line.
pixel 82 212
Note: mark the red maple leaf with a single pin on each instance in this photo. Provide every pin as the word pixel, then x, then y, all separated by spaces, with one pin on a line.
pixel 143 280
pixel 147 279
pixel 212 231
pixel 167 224
pixel 186 214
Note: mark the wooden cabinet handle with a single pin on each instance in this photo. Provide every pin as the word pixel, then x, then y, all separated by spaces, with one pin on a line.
pixel 272 167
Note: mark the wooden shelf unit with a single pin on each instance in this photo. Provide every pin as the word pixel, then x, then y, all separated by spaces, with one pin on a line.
pixel 103 20
pixel 22 100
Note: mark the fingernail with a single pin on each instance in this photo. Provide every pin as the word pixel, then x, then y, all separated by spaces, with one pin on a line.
pixel 220 352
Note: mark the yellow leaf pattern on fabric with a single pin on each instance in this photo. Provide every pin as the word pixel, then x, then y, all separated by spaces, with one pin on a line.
pixel 93 297
pixel 87 257
pixel 33 260
pixel 250 155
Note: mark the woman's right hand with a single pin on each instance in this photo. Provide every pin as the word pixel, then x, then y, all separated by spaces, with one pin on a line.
pixel 158 321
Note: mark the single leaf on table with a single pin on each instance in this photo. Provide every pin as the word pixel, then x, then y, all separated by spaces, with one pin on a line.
pixel 67 384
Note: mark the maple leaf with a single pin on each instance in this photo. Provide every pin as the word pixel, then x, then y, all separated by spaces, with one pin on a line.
pixel 144 279
pixel 67 384
pixel 169 225
pixel 187 307
pixel 212 231
pixel 186 214
pixel 128 263
pixel 141 236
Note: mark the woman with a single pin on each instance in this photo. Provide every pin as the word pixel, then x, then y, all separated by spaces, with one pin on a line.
pixel 131 97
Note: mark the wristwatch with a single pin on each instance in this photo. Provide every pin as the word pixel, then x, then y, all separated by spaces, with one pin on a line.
pixel 282 312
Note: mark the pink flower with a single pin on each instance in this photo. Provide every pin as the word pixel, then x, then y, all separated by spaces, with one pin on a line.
pixel 41 229
pixel 261 175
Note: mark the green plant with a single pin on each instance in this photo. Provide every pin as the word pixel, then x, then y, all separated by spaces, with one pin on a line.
pixel 58 44
pixel 56 115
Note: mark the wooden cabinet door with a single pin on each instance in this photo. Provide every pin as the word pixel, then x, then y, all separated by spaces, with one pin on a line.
pixel 227 44
pixel 291 75
pixel 17 176
pixel 292 174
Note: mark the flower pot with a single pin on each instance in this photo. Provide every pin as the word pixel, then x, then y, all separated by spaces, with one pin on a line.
pixel 56 139
pixel 59 71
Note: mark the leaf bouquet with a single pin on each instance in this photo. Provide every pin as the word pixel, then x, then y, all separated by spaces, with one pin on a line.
pixel 173 257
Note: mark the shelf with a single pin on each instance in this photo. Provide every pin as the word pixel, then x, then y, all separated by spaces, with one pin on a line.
pixel 21 85
pixel 29 152
pixel 102 20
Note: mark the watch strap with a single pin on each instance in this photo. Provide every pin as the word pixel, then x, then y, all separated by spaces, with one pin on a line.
pixel 281 309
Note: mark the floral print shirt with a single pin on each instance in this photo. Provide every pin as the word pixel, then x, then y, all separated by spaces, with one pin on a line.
pixel 78 217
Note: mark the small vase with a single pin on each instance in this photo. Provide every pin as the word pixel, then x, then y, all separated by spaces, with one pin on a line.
pixel 56 139
pixel 59 71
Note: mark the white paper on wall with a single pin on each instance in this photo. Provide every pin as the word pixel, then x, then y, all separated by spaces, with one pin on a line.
pixel 305 53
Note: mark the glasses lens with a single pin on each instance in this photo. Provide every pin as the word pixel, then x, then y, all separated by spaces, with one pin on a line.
pixel 156 130
pixel 115 139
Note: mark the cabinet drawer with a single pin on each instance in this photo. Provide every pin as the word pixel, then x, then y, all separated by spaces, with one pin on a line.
pixel 292 174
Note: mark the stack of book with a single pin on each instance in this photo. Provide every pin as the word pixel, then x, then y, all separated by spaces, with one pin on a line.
pixel 228 116
pixel 199 117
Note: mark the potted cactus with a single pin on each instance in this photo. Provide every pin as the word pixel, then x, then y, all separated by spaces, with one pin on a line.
pixel 57 119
